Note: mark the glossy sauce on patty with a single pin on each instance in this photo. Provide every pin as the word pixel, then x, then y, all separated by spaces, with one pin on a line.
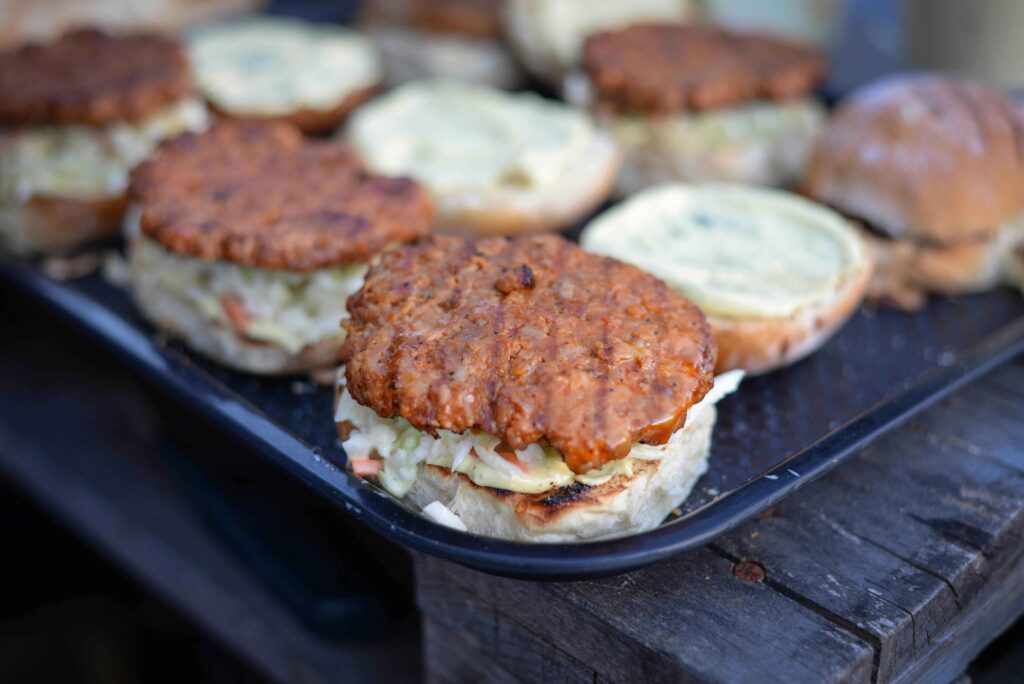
pixel 259 194
pixel 530 339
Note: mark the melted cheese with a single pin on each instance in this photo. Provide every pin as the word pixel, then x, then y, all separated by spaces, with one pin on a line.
pixel 732 250
pixel 456 137
pixel 561 26
pixel 272 66
pixel 403 448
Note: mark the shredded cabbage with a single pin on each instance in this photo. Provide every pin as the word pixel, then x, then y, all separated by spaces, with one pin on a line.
pixel 402 448
pixel 86 162
pixel 289 310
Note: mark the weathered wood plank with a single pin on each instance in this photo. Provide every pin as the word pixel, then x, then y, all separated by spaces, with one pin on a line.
pixel 462 656
pixel 691 620
pixel 913 549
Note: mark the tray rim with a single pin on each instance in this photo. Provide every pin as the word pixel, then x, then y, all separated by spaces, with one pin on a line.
pixel 170 371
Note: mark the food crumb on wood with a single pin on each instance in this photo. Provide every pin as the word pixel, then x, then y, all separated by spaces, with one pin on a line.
pixel 748 571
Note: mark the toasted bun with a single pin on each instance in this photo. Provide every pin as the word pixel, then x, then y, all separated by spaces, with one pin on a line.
pixel 760 345
pixel 934 159
pixel 497 163
pixel 521 212
pixel 310 121
pixel 576 513
pixel 775 274
pixel 56 224
pixel 906 271
pixel 410 53
pixel 223 345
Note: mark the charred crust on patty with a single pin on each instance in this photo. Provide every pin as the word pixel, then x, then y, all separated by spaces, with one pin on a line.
pixel 595 357
pixel 667 68
pixel 510 280
pixel 91 77
pixel 261 195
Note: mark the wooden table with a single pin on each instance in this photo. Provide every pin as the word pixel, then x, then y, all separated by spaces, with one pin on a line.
pixel 900 565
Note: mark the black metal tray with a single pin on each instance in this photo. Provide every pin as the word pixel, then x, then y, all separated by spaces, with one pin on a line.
pixel 774 435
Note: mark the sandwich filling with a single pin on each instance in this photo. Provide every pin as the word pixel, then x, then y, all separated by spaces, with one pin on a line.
pixel 456 138
pixel 735 251
pixel 785 129
pixel 86 162
pixel 272 67
pixel 286 309
pixel 483 458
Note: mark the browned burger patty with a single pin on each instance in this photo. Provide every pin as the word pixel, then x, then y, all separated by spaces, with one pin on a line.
pixel 472 18
pixel 259 194
pixel 91 77
pixel 663 68
pixel 530 339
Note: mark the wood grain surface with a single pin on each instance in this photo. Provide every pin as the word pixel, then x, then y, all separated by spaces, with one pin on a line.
pixel 900 565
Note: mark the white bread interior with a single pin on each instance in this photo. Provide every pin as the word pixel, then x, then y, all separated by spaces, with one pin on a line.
pixel 761 345
pixel 516 211
pixel 620 506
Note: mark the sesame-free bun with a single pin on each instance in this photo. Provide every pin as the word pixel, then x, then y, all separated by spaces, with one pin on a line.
pixel 775 274
pixel 307 120
pixel 922 157
pixel 51 225
pixel 625 504
pixel 496 163
pixel 906 271
pixel 310 75
pixel 760 345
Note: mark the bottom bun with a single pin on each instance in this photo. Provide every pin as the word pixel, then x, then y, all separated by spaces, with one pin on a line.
pixel 624 504
pixel 51 225
pixel 310 121
pixel 222 344
pixel 760 345
pixel 516 212
pixel 906 272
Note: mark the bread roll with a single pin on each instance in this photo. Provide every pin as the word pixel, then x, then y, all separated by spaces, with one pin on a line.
pixel 775 274
pixel 497 163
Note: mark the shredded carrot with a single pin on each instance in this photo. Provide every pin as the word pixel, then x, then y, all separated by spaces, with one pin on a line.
pixel 366 467
pixel 514 460
pixel 236 313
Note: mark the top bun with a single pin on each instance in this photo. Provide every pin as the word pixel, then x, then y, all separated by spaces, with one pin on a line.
pixel 932 159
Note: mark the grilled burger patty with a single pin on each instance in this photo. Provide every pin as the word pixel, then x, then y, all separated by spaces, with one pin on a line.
pixel 260 195
pixel 91 77
pixel 663 68
pixel 532 340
